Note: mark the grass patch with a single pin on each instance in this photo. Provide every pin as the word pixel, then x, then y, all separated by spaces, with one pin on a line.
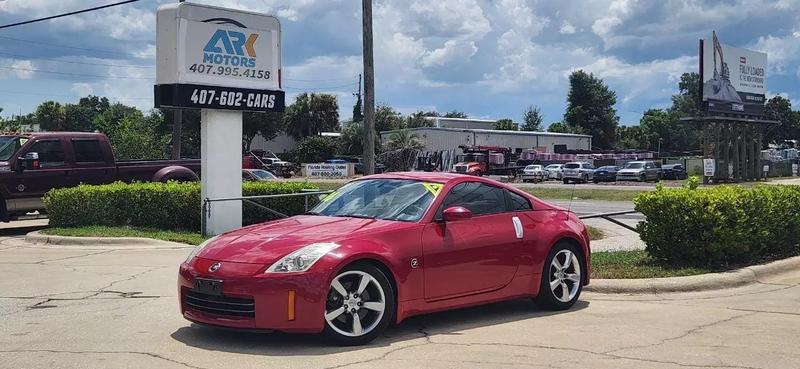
pixel 595 233
pixel 584 194
pixel 104 231
pixel 635 264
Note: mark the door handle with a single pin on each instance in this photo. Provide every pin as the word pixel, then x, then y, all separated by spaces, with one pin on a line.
pixel 517 227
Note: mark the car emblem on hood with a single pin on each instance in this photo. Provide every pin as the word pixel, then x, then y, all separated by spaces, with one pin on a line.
pixel 214 267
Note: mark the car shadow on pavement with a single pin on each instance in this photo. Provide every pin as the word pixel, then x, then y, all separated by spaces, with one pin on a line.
pixel 444 323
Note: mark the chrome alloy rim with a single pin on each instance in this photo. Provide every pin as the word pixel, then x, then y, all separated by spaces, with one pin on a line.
pixel 565 275
pixel 355 304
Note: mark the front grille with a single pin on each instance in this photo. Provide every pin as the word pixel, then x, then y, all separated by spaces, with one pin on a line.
pixel 461 169
pixel 220 305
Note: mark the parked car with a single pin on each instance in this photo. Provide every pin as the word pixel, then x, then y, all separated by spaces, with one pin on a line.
pixel 554 171
pixel 354 264
pixel 257 175
pixel 641 171
pixel 533 172
pixel 577 171
pixel 33 163
pixel 606 173
pixel 673 171
pixel 267 160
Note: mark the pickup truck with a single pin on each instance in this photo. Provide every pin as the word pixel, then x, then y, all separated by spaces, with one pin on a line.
pixel 33 163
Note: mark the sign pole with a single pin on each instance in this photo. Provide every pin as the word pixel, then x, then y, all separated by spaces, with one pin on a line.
pixel 221 168
pixel 369 89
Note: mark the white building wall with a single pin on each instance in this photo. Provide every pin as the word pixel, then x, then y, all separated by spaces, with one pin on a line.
pixel 281 143
pixel 448 139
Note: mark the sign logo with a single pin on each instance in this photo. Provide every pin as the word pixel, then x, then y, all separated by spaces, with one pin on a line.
pixel 231 48
pixel 743 60
pixel 214 267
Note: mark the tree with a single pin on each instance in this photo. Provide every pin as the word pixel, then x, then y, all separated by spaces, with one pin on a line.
pixel 631 137
pixel 532 119
pixel 78 118
pixel 50 116
pixel 401 150
pixel 139 137
pixel 357 114
pixel 419 119
pixel 387 119
pixel 268 125
pixel 314 149
pixel 109 120
pixel 561 127
pixel 456 114
pixel 685 103
pixel 590 107
pixel 505 125
pixel 311 114
pixel 780 109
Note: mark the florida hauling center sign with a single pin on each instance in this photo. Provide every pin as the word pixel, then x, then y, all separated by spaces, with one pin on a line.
pixel 214 58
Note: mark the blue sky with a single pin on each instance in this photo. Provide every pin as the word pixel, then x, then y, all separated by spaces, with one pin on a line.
pixel 490 59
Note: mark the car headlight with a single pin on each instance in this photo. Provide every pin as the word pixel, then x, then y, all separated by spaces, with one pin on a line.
pixel 302 259
pixel 199 248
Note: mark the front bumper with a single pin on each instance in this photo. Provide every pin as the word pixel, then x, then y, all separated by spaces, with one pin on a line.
pixel 629 176
pixel 292 302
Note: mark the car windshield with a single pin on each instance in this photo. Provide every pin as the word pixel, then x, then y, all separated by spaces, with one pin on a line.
pixel 572 166
pixel 607 168
pixel 388 199
pixel 470 158
pixel 8 146
pixel 634 166
pixel 533 167
pixel 263 174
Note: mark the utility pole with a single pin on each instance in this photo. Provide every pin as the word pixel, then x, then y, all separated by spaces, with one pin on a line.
pixel 369 88
pixel 177 125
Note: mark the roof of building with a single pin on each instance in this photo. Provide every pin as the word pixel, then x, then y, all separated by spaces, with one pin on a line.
pixel 495 131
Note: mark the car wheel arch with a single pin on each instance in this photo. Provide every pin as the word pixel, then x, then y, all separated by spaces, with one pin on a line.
pixel 377 263
pixel 574 242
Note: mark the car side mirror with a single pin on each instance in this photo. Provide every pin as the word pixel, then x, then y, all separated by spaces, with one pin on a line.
pixel 29 161
pixel 456 213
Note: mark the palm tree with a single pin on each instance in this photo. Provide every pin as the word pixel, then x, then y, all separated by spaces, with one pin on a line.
pixel 401 150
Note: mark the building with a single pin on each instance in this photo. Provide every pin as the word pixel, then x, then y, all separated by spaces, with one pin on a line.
pixel 465 123
pixel 443 139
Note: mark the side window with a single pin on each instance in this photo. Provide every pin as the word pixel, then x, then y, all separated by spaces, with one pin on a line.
pixel 479 198
pixel 87 151
pixel 515 202
pixel 51 153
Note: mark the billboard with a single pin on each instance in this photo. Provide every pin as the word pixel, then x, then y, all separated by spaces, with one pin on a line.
pixel 734 80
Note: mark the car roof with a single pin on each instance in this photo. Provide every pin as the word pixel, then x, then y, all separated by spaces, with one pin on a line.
pixel 440 177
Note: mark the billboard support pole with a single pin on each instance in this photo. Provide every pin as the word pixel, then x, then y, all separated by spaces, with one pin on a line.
pixel 221 167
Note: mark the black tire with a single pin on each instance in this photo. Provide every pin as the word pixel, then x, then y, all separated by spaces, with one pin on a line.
pixel 643 178
pixel 547 298
pixel 585 178
pixel 566 181
pixel 383 322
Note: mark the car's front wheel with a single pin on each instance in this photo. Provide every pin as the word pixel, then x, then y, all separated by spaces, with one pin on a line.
pixel 561 281
pixel 360 305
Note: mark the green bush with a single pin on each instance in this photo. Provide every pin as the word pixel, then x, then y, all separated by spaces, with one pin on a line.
pixel 168 206
pixel 720 226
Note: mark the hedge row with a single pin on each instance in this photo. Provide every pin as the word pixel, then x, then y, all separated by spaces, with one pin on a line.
pixel 720 226
pixel 169 206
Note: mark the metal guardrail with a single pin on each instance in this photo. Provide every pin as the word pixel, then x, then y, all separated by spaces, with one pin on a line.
pixel 206 209
pixel 608 217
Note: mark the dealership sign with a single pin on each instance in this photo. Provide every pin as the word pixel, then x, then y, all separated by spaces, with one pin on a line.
pixel 214 58
pixel 734 80
pixel 324 170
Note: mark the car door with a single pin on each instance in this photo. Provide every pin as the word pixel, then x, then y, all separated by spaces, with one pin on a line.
pixel 30 184
pixel 472 255
pixel 651 170
pixel 92 164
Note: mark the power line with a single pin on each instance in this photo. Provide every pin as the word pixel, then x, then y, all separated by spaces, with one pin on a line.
pixel 68 47
pixel 319 80
pixel 28 57
pixel 73 74
pixel 68 14
pixel 59 95
pixel 320 88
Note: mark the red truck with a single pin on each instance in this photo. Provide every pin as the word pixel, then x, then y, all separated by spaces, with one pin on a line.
pixel 33 163
pixel 481 160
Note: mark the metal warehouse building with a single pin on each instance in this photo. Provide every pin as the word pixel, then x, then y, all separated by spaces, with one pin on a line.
pixel 445 139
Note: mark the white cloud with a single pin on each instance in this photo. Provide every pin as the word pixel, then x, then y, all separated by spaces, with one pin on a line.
pixel 567 28
pixel 20 69
pixel 783 52
pixel 451 52
pixel 82 89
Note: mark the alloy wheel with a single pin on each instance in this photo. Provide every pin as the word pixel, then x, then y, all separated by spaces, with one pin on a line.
pixel 355 305
pixel 565 275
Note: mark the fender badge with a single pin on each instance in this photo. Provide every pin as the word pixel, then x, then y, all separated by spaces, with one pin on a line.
pixel 414 263
pixel 214 267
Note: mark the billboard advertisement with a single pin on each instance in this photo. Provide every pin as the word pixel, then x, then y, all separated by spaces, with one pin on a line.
pixel 734 80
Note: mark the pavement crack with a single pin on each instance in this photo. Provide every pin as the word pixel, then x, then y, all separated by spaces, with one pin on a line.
pixel 43 262
pixel 83 352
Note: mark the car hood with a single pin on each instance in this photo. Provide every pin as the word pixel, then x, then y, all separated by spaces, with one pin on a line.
pixel 265 243
pixel 630 171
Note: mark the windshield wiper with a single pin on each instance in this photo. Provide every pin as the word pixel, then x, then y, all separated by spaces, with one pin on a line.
pixel 311 213
pixel 354 216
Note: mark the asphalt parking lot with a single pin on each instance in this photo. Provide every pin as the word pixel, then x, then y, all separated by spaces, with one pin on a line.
pixel 91 307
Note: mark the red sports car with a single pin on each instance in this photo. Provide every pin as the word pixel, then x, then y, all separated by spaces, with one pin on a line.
pixel 383 248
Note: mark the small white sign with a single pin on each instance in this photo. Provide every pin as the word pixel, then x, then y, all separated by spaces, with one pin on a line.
pixel 794 169
pixel 708 167
pixel 766 168
pixel 323 170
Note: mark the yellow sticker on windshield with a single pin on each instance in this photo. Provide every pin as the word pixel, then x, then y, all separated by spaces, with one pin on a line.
pixel 329 197
pixel 434 188
pixel 22 141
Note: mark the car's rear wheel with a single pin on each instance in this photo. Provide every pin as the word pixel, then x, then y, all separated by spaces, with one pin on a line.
pixel 360 305
pixel 561 281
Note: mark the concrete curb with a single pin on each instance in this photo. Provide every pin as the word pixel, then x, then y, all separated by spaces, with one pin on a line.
pixel 38 238
pixel 702 282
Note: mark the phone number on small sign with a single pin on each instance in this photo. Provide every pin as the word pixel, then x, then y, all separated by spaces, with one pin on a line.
pixel 232 99
pixel 218 70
